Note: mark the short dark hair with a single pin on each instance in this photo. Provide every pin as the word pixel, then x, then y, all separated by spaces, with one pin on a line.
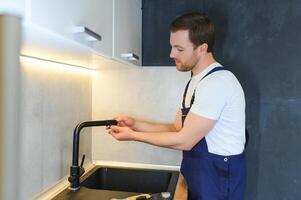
pixel 200 27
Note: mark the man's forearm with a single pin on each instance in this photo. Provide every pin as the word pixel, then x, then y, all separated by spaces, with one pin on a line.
pixel 142 126
pixel 174 140
pixel 182 139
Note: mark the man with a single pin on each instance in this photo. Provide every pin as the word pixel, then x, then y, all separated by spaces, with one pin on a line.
pixel 210 126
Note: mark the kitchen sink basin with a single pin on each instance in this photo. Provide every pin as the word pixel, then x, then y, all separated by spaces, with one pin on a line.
pixel 131 180
pixel 105 183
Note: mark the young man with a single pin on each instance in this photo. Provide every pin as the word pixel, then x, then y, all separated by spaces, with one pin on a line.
pixel 210 126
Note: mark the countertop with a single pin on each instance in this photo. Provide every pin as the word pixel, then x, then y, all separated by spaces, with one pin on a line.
pixel 91 194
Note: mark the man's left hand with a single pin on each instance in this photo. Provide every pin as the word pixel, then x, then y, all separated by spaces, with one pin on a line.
pixel 121 133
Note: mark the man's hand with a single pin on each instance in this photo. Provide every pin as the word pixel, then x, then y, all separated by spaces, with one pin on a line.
pixel 121 133
pixel 125 121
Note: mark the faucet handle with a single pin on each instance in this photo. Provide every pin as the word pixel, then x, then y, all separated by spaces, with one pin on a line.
pixel 82 169
pixel 83 160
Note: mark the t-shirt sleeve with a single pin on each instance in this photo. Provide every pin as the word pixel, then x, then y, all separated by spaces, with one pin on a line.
pixel 210 98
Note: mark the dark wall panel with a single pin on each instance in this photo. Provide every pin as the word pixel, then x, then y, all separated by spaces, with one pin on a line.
pixel 279 151
pixel 156 17
pixel 260 42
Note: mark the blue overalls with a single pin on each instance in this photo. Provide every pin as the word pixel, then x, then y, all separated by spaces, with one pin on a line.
pixel 210 176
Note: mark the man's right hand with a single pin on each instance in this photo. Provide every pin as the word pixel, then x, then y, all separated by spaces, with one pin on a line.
pixel 125 121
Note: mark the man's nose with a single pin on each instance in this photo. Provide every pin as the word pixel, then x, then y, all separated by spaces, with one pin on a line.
pixel 171 54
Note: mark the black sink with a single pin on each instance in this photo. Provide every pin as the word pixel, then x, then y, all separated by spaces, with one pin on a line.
pixel 105 183
pixel 131 180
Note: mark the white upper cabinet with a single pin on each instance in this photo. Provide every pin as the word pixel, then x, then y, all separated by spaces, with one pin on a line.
pixel 128 30
pixel 63 16
pixel 118 22
pixel 12 7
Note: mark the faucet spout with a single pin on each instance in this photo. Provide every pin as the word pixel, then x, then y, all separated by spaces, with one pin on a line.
pixel 75 169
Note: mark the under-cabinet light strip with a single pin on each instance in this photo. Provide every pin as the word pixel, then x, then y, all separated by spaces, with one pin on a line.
pixel 57 62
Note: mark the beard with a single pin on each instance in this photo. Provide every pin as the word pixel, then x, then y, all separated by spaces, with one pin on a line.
pixel 185 67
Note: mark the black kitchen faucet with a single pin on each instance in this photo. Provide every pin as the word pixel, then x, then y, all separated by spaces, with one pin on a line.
pixel 75 170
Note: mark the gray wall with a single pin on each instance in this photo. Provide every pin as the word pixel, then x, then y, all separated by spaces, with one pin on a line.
pixel 54 99
pixel 150 94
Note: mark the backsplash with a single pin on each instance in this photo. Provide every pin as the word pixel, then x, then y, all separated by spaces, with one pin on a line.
pixel 54 99
pixel 152 94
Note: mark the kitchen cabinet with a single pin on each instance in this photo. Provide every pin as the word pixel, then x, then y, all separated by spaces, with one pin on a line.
pixel 128 29
pixel 117 22
pixel 62 16
pixel 12 7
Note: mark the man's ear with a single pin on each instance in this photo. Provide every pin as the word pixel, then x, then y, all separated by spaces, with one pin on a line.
pixel 203 48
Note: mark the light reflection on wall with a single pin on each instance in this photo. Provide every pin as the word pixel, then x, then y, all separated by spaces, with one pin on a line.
pixel 44 64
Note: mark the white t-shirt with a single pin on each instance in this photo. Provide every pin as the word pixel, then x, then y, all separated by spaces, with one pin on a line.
pixel 219 96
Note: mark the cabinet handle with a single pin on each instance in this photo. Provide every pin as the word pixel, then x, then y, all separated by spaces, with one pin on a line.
pixel 89 34
pixel 129 56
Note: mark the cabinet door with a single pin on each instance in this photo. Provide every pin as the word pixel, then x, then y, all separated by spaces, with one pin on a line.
pixel 127 29
pixel 14 7
pixel 62 16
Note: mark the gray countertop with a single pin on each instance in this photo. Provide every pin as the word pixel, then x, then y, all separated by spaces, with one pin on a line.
pixel 91 194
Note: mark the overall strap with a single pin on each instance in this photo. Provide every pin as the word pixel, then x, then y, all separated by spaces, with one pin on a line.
pixel 184 95
pixel 186 88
